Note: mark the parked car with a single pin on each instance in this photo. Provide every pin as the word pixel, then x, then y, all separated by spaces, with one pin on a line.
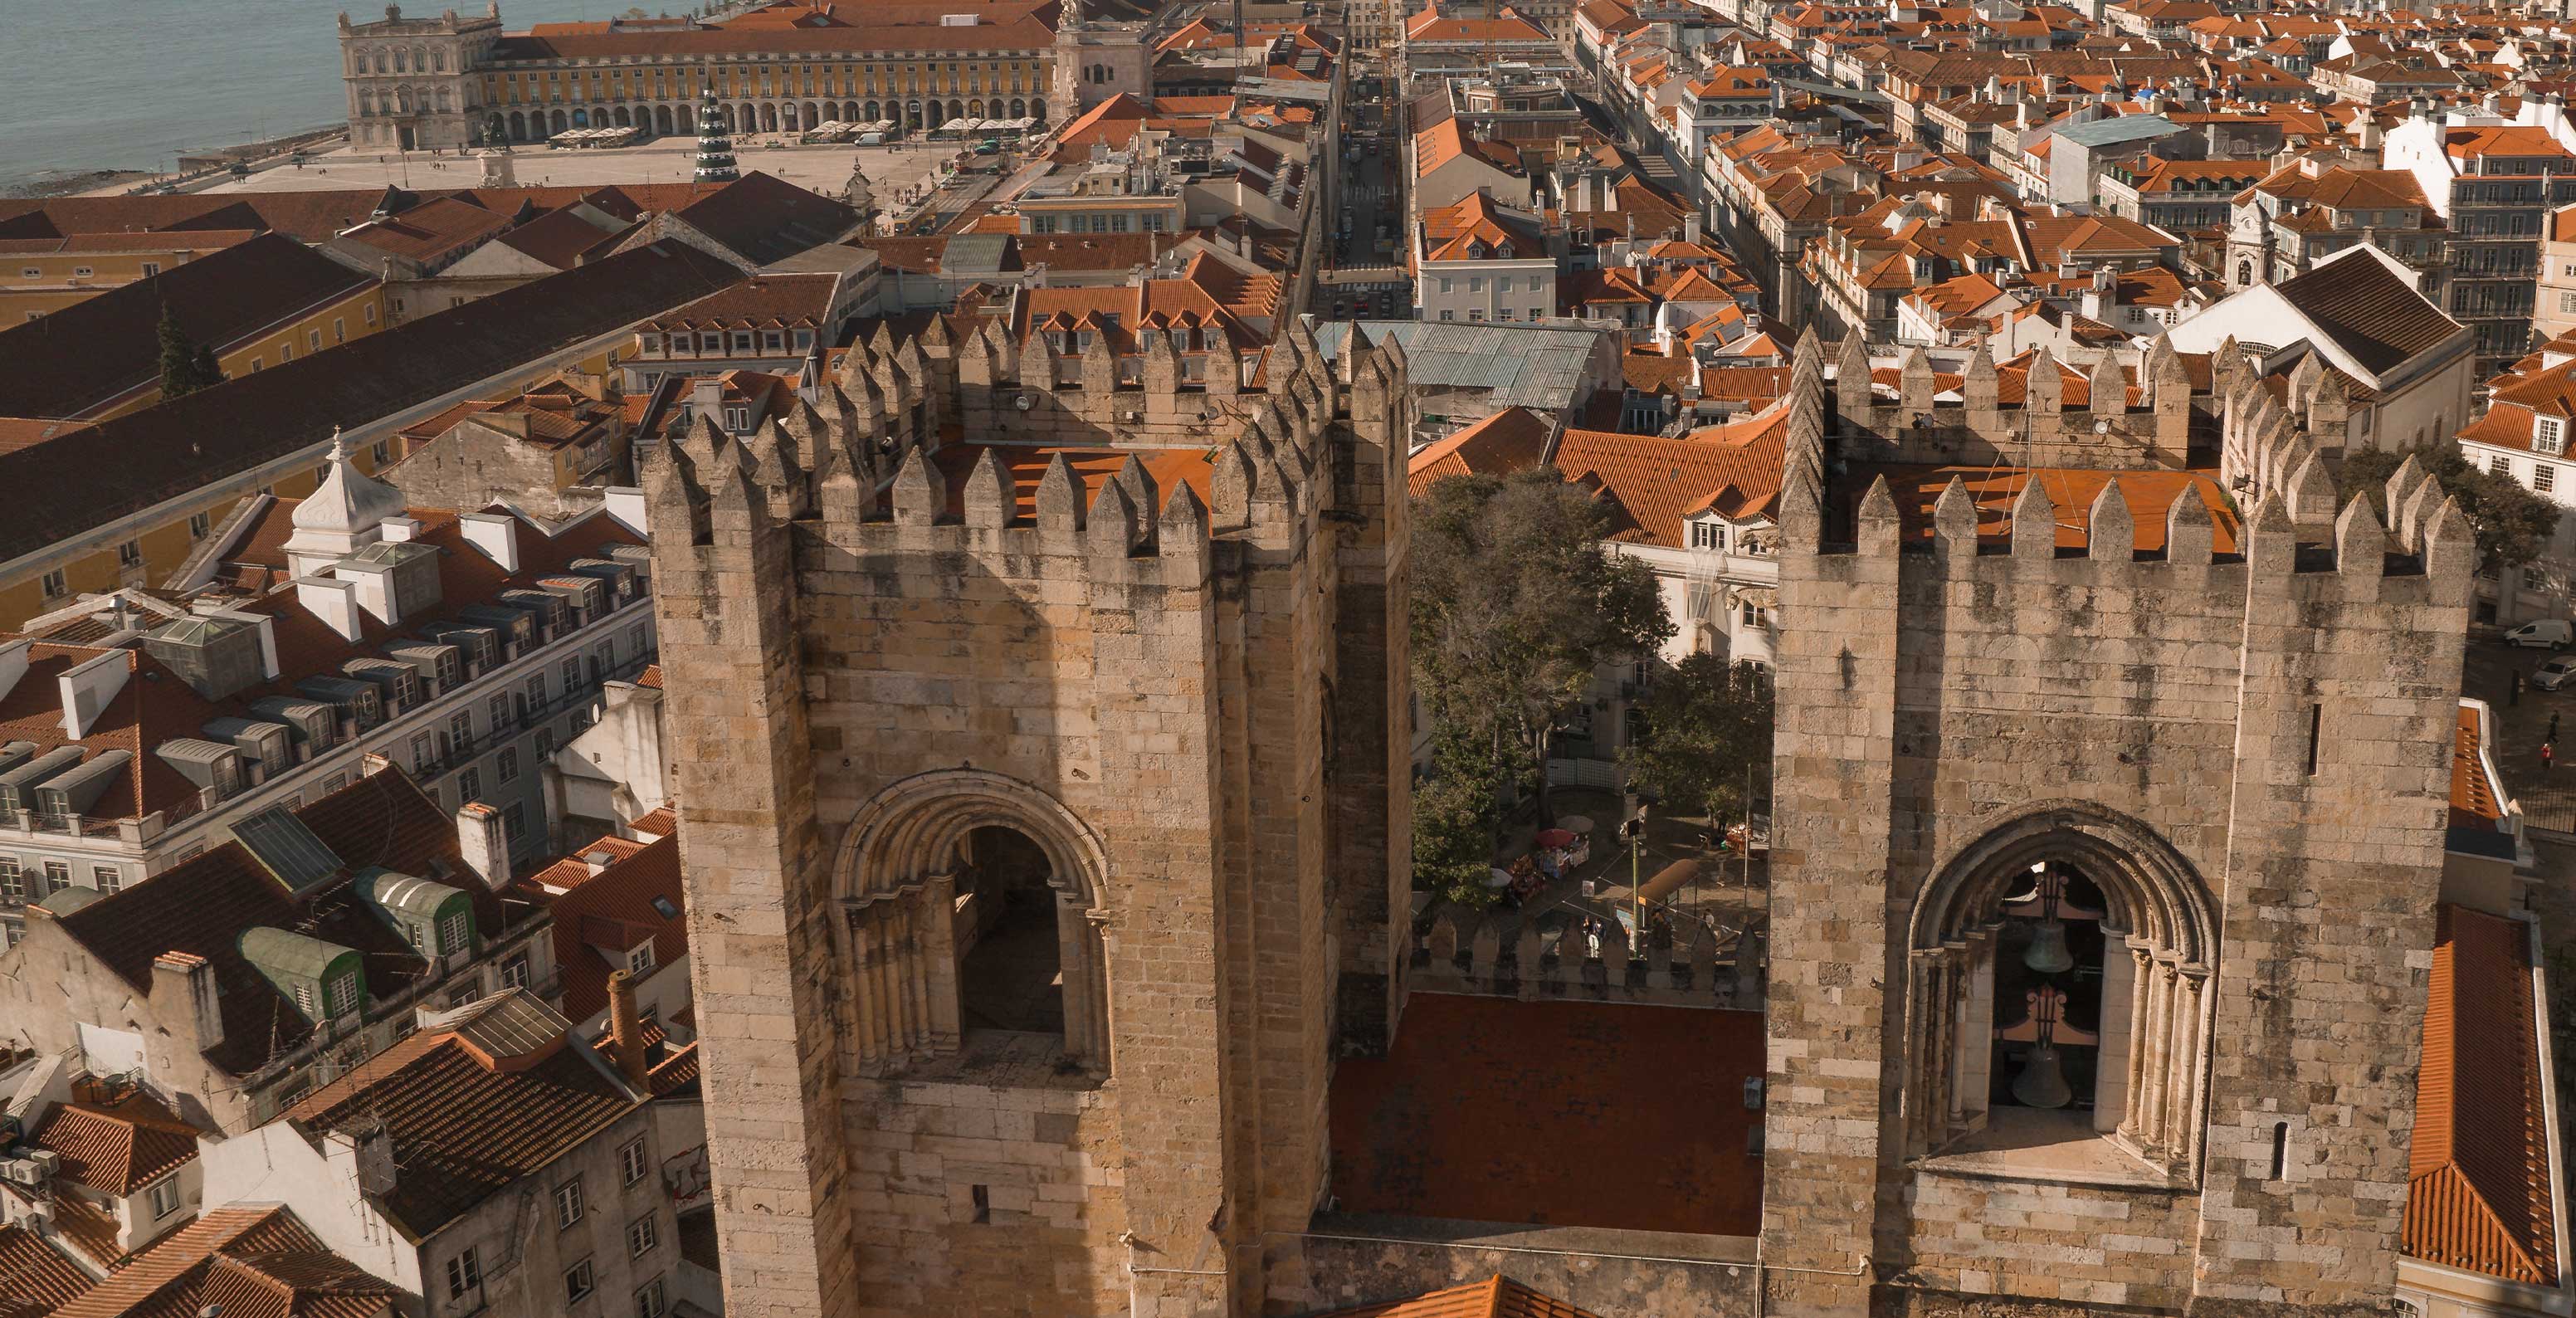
pixel 2554 674
pixel 2546 634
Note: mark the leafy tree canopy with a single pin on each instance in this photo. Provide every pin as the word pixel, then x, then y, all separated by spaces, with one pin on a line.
pixel 1706 725
pixel 2513 524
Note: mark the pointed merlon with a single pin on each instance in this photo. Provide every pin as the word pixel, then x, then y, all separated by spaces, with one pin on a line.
pixel 2312 492
pixel 1139 483
pixel 1880 529
pixel 2108 389
pixel 1183 530
pixel 2361 547
pixel 2110 530
pixel 2189 531
pixel 1111 529
pixel 1954 519
pixel 991 498
pixel 1059 498
pixel 1231 483
pixel 2450 546
pixel 2272 541
pixel 1809 348
pixel 920 496
pixel 2034 520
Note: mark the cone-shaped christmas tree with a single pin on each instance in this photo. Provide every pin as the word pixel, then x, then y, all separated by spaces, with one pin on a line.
pixel 715 142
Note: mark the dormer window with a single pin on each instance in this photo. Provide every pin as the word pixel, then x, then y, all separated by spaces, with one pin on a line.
pixel 1707 533
pixel 737 418
pixel 640 959
pixel 2549 435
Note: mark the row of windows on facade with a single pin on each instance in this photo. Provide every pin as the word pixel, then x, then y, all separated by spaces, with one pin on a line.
pixel 398 59
pixel 643 1235
pixel 1095 222
pixel 710 343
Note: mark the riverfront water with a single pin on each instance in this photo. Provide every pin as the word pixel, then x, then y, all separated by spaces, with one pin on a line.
pixel 128 84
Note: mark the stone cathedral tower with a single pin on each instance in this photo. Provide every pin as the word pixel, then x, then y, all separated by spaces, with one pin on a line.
pixel 2112 774
pixel 1043 829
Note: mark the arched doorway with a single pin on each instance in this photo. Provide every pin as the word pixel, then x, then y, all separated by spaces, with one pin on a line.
pixel 662 120
pixel 938 115
pixel 1019 108
pixel 956 109
pixel 581 118
pixel 975 108
pixel 912 115
pixel 850 112
pixel 749 120
pixel 518 127
pixel 811 119
pixel 1037 111
pixel 970 902
pixel 769 116
pixel 622 120
pixel 562 124
pixel 2057 989
pixel 868 113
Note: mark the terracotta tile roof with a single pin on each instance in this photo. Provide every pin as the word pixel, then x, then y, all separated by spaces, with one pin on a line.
pixel 2475 797
pixel 2150 495
pixel 1439 1127
pixel 464 1127
pixel 764 219
pixel 1495 1297
pixel 1655 372
pixel 34 1276
pixel 70 361
pixel 1510 440
pixel 656 823
pixel 760 302
pixel 1476 228
pixel 256 1262
pixel 2373 315
pixel 629 894
pixel 559 239
pixel 430 230
pixel 204 905
pixel 1653 483
pixel 650 677
pixel 2478 1192
pixel 178 447
pixel 89 1229
pixel 116 1148
pixel 1026 465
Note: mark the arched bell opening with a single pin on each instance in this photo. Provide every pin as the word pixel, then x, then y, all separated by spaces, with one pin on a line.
pixel 2056 1002
pixel 971 910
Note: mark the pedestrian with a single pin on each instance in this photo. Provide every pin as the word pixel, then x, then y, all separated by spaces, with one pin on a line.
pixel 2548 757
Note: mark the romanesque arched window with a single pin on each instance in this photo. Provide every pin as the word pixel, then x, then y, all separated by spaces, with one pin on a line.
pixel 970 902
pixel 2057 989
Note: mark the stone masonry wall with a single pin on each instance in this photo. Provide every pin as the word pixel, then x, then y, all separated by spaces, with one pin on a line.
pixel 1139 686
pixel 1933 690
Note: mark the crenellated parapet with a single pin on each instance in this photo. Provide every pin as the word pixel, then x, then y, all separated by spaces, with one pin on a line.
pixel 2289 445
pixel 2113 415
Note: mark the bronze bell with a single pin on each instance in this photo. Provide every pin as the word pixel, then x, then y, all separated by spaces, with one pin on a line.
pixel 2042 1082
pixel 2048 954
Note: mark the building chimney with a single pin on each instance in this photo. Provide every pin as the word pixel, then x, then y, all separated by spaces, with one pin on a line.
pixel 625 1028
pixel 484 842
pixel 371 1152
pixel 333 601
pixel 183 978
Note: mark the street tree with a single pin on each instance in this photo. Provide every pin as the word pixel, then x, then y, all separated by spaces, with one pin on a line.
pixel 186 365
pixel 2513 524
pixel 1704 738
pixel 1515 604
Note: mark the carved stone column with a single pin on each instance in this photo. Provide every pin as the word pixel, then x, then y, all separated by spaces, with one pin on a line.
pixel 2152 1088
pixel 2133 1115
pixel 2190 1065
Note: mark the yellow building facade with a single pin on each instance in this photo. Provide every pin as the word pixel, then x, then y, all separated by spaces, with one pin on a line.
pixel 150 548
pixel 40 276
pixel 533 100
pixel 323 326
